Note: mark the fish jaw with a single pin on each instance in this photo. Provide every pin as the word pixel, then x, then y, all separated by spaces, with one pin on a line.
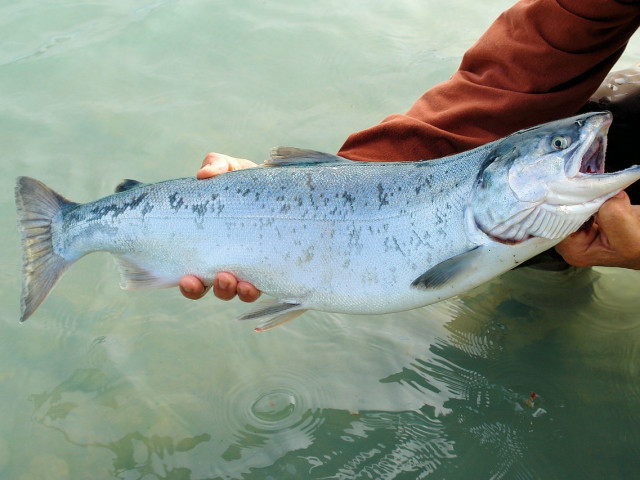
pixel 585 188
pixel 588 189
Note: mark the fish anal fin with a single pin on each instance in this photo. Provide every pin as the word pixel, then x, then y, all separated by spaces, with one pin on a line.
pixel 281 156
pixel 273 313
pixel 134 276
pixel 449 270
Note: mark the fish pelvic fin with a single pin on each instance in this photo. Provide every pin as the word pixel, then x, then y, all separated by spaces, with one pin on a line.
pixel 38 209
pixel 273 313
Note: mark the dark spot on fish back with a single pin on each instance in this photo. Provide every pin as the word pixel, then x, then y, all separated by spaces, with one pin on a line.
pixel 146 209
pixel 348 198
pixel 116 209
pixel 382 196
pixel 175 202
pixel 200 209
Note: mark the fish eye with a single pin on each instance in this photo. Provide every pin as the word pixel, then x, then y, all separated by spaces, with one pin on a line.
pixel 560 142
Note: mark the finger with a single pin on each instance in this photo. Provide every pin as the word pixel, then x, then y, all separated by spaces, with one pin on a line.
pixel 192 287
pixel 242 163
pixel 213 157
pixel 247 292
pixel 576 248
pixel 219 163
pixel 614 211
pixel 213 164
pixel 225 286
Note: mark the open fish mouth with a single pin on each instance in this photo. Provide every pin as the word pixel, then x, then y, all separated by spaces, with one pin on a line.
pixel 593 158
pixel 593 163
pixel 589 156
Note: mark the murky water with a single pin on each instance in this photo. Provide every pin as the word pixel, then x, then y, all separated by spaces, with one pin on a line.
pixel 534 375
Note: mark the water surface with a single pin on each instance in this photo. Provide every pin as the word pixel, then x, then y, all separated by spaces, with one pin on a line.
pixel 518 379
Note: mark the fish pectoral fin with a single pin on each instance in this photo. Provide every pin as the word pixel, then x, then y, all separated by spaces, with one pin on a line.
pixel 449 270
pixel 273 313
pixel 134 276
pixel 281 156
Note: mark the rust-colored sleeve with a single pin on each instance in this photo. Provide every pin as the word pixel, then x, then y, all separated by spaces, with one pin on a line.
pixel 539 61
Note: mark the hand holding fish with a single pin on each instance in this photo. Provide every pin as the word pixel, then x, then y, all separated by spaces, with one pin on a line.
pixel 217 163
pixel 612 241
pixel 225 285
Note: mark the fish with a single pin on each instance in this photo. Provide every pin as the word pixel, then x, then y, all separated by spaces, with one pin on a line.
pixel 315 231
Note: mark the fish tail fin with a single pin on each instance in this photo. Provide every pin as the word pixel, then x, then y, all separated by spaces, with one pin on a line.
pixel 38 208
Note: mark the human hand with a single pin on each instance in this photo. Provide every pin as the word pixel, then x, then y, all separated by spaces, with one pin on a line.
pixel 218 163
pixel 612 241
pixel 225 285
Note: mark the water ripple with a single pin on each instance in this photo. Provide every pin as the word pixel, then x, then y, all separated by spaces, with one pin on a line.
pixel 267 416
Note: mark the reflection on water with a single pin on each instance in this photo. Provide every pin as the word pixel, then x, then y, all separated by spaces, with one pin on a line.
pixel 518 378
pixel 90 389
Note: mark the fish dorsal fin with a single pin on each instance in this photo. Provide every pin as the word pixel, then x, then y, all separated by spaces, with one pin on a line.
pixel 449 270
pixel 281 156
pixel 273 313
pixel 127 184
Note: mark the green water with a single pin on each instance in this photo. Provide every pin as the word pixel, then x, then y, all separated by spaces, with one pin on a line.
pixel 101 383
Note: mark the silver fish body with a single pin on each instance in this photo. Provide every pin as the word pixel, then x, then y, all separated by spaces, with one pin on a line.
pixel 318 232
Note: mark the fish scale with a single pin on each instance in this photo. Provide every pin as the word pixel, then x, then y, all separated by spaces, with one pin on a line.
pixel 315 231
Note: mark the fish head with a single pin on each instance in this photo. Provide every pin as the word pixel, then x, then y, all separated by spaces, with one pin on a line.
pixel 546 181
